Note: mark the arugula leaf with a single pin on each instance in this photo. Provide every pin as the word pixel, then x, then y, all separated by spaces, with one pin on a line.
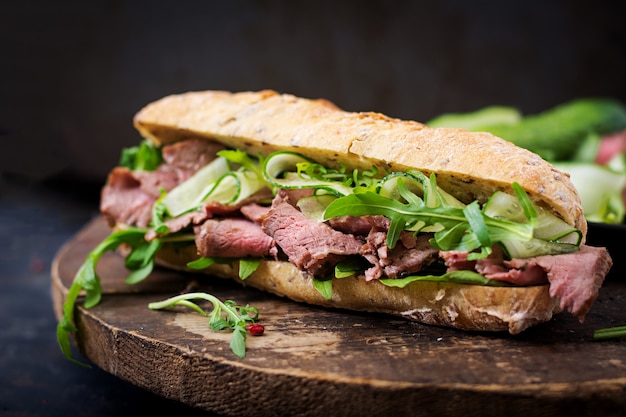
pixel 458 277
pixel 477 224
pixel 159 212
pixel 324 287
pixel 144 157
pixel 484 230
pixel 527 206
pixel 226 315
pixel 247 266
pixel 350 267
pixel 140 260
pixel 201 263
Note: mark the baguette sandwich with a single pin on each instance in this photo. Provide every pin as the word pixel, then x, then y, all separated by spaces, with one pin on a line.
pixel 355 211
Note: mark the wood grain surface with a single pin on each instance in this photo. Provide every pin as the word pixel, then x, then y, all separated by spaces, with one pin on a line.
pixel 313 361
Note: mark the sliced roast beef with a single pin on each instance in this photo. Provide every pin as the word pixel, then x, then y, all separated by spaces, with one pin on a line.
pixel 124 201
pixel 215 208
pixel 311 246
pixel 190 155
pixel 128 196
pixel 456 260
pixel 180 161
pixel 254 212
pixel 164 177
pixel 411 254
pixel 233 237
pixel 496 267
pixel 293 195
pixel 181 222
pixel 361 225
pixel 575 278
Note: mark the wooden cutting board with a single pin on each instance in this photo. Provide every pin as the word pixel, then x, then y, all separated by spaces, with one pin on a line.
pixel 313 361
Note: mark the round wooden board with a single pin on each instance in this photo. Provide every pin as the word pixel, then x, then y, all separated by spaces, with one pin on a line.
pixel 315 361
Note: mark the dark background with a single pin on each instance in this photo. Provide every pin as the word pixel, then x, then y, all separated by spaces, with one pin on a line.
pixel 73 73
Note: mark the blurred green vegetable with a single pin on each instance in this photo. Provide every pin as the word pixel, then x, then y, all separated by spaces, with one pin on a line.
pixel 600 189
pixel 567 135
pixel 478 120
pixel 555 134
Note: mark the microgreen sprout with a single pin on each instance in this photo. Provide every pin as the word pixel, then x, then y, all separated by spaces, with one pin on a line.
pixel 225 315
pixel 139 261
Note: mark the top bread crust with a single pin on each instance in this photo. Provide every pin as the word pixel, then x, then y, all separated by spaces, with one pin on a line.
pixel 469 165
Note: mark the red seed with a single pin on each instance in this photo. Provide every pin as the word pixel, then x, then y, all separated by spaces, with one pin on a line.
pixel 256 329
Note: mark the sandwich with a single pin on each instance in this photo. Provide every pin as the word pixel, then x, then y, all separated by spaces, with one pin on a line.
pixel 347 210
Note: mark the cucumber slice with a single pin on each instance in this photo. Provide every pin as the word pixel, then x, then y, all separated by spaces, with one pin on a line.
pixel 188 195
pixel 233 187
pixel 536 247
pixel 314 206
pixel 418 184
pixel 504 206
pixel 388 186
pixel 281 170
pixel 548 227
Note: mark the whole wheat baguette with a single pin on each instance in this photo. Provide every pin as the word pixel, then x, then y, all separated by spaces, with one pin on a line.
pixel 465 307
pixel 470 166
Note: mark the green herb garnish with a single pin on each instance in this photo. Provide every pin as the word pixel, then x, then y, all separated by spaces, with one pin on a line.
pixel 458 277
pixel 247 266
pixel 610 333
pixel 224 316
pixel 324 287
pixel 464 229
pixel 140 261
pixel 143 157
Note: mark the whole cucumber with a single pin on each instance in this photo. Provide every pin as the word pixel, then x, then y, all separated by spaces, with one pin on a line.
pixel 555 134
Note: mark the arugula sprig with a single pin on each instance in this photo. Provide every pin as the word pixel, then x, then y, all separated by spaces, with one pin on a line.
pixel 465 229
pixel 287 169
pixel 143 157
pixel 226 315
pixel 246 161
pixel 140 261
pixel 354 178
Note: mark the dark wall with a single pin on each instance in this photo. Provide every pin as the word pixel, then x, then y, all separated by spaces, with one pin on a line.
pixel 73 73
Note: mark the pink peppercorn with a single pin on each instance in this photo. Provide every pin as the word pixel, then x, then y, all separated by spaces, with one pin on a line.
pixel 256 329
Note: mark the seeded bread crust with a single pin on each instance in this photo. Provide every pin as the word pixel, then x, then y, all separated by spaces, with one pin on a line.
pixel 469 165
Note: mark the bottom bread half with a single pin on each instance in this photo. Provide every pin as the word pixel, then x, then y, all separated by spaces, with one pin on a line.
pixel 461 306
